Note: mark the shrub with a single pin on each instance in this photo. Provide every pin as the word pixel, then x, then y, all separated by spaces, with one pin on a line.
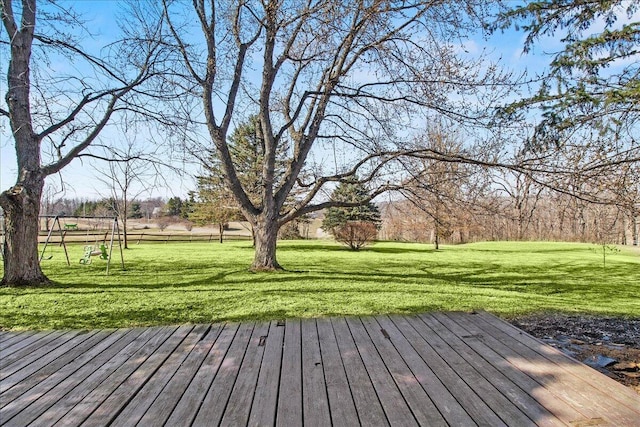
pixel 289 231
pixel 355 234
pixel 164 222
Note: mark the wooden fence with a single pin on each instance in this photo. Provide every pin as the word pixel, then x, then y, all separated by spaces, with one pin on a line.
pixel 135 237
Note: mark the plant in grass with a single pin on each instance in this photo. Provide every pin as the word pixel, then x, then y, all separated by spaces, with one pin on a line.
pixel 214 204
pixel 354 226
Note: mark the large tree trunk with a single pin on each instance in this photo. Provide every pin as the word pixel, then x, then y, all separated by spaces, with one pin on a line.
pixel 265 232
pixel 21 205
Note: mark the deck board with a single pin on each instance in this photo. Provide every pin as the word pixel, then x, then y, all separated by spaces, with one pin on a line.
pixel 16 361
pixel 452 411
pixel 341 404
pixel 215 401
pixel 395 407
pixel 55 387
pixel 126 391
pixel 11 339
pixel 190 401
pixel 365 398
pixel 162 407
pixel 289 410
pixel 528 406
pixel 80 391
pixel 590 395
pixel 84 408
pixel 499 371
pixel 15 349
pixel 239 404
pixel 458 369
pixel 265 401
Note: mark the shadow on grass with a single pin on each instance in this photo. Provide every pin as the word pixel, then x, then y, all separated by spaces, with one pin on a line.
pixel 333 247
pixel 566 278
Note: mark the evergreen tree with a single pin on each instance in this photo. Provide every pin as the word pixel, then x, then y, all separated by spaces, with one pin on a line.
pixel 595 78
pixel 174 206
pixel 351 192
pixel 136 210
pixel 355 224
pixel 215 203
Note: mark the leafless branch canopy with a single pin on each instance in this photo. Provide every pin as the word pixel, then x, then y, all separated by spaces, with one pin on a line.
pixel 327 75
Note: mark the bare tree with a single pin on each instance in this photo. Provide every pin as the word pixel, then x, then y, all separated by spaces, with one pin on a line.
pixel 523 195
pixel 56 114
pixel 322 75
pixel 130 173
pixel 439 186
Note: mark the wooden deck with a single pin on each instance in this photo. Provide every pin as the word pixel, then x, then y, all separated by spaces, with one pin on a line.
pixel 436 369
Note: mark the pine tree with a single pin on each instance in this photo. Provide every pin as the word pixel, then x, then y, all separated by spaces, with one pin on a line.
pixel 215 203
pixel 594 79
pixel 355 225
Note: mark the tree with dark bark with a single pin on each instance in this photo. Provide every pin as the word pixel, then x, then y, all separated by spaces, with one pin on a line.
pixel 324 77
pixel 55 115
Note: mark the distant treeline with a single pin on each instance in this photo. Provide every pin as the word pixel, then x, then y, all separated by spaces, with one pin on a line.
pixel 537 217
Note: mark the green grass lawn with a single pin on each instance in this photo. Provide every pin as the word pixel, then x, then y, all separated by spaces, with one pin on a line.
pixel 209 282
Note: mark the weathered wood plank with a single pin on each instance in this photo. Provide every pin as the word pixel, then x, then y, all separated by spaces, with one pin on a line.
pixel 74 396
pixel 552 401
pixel 419 402
pixel 315 404
pixel 450 348
pixel 518 391
pixel 365 398
pixel 392 400
pixel 290 395
pixel 22 380
pixel 26 356
pixel 624 395
pixel 189 404
pixel 214 404
pixel 583 395
pixel 45 394
pixel 25 347
pixel 425 341
pixel 163 406
pixel 118 399
pixel 343 409
pixel 435 369
pixel 15 337
pixel 241 399
pixel 83 409
pixel 6 351
pixel 265 400
pixel 137 407
pixel 451 410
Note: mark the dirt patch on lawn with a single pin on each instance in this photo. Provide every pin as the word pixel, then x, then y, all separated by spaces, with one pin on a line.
pixel 610 345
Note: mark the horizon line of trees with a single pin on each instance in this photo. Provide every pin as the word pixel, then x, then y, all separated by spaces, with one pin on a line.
pixel 545 216
pixel 539 215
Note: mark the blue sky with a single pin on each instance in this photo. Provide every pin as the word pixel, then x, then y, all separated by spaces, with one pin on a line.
pixel 79 176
